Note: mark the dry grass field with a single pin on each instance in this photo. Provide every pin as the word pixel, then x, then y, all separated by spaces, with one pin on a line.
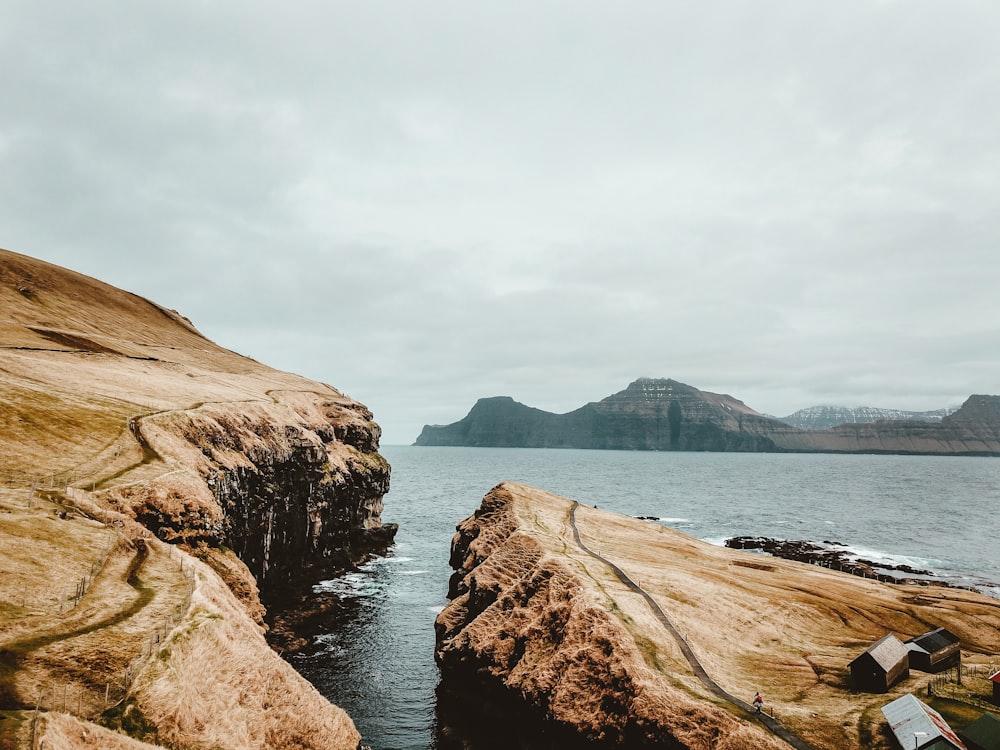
pixel 100 622
pixel 784 628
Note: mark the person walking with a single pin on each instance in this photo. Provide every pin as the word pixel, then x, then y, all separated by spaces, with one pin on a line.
pixel 758 702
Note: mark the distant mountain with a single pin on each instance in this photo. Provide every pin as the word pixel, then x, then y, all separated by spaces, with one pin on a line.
pixel 648 415
pixel 824 417
pixel 665 415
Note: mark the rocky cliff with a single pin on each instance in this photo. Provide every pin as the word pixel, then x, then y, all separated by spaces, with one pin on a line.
pixel 119 413
pixel 624 633
pixel 664 415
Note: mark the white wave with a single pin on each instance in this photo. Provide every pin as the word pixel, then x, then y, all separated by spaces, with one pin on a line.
pixel 718 541
pixel 355 584
pixel 436 610
pixel 890 558
pixel 413 572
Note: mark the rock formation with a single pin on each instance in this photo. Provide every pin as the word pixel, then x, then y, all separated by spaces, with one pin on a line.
pixel 665 415
pixel 541 613
pixel 174 466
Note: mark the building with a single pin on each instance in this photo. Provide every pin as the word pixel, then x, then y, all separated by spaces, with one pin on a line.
pixel 982 734
pixel 881 666
pixel 995 679
pixel 917 725
pixel 935 651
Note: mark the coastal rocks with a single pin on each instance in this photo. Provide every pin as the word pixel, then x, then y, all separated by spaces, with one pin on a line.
pixel 836 559
pixel 525 630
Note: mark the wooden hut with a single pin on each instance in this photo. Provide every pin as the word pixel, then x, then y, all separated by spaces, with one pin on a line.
pixel 881 666
pixel 995 679
pixel 935 651
pixel 982 734
pixel 917 725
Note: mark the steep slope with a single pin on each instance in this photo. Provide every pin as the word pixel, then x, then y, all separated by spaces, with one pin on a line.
pixel 122 424
pixel 630 634
pixel 664 415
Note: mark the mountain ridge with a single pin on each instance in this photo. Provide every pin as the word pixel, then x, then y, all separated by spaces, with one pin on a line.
pixel 824 416
pixel 666 415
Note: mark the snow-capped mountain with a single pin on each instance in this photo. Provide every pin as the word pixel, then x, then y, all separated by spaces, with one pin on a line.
pixel 824 417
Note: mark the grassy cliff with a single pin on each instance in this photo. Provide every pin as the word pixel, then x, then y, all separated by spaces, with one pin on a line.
pixel 151 483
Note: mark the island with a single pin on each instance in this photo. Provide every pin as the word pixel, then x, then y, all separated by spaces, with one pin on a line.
pixel 660 414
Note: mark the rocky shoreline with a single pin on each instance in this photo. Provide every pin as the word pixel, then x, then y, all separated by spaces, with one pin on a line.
pixel 827 556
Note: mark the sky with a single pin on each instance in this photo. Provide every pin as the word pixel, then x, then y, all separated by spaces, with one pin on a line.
pixel 788 201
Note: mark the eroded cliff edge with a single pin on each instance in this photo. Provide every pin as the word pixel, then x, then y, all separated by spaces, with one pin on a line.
pixel 155 486
pixel 538 619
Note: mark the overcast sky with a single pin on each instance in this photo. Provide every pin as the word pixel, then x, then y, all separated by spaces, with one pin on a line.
pixel 424 203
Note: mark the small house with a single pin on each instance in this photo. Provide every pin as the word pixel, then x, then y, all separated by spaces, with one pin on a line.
pixel 935 651
pixel 982 734
pixel 995 679
pixel 881 666
pixel 917 725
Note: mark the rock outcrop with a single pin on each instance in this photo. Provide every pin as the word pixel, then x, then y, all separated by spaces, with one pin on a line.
pixel 210 468
pixel 665 415
pixel 541 616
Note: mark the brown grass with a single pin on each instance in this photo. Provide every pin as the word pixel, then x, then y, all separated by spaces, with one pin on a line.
pixel 785 628
pixel 99 387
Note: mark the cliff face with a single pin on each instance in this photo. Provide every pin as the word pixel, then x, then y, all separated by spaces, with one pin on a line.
pixel 524 621
pixel 201 467
pixel 666 415
pixel 294 487
pixel 541 615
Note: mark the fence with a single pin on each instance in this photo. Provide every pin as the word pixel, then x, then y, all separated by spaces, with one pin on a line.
pixel 970 684
pixel 64 696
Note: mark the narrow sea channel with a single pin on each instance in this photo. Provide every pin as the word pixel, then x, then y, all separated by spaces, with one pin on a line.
pixel 377 662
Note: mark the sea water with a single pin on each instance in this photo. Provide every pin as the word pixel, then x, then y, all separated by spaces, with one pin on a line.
pixel 936 513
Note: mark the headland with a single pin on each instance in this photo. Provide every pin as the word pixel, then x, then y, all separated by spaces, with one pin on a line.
pixel 156 492
pixel 630 634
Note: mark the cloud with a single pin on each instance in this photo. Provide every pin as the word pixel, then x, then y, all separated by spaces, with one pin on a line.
pixel 427 203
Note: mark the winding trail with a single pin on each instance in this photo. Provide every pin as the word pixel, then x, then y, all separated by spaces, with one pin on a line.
pixel 773 724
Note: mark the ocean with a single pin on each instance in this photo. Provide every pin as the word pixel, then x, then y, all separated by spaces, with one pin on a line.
pixel 377 662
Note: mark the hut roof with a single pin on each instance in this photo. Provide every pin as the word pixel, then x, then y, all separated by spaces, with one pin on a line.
pixel 935 640
pixel 996 678
pixel 984 732
pixel 887 652
pixel 910 718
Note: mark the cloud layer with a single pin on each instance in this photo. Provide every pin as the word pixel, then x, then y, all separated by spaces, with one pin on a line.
pixel 422 204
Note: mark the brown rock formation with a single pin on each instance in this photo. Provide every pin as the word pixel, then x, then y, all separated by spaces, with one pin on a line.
pixel 537 617
pixel 119 417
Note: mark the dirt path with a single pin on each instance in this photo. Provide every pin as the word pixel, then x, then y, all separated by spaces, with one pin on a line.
pixel 773 724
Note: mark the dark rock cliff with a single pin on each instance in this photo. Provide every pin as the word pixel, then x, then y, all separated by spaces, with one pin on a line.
pixel 293 488
pixel 665 415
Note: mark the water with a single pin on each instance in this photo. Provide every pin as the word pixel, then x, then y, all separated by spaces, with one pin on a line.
pixel 378 663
